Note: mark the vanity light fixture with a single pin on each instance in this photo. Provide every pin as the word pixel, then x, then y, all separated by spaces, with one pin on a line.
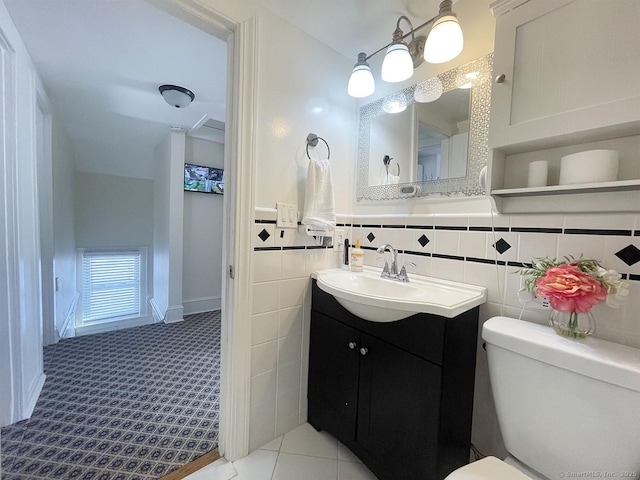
pixel 444 43
pixel 176 96
pixel 361 83
pixel 397 65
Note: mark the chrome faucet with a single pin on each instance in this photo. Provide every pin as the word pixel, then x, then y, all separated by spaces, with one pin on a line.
pixel 392 271
pixel 389 272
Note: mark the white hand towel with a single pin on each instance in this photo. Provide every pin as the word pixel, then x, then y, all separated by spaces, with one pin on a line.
pixel 319 208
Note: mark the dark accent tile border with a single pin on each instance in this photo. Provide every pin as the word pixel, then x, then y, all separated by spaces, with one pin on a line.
pixel 519 264
pixel 290 247
pixel 488 229
pixel 266 221
pixel 420 227
pixel 343 224
pixel 450 227
pixel 536 230
pixel 596 231
pixel 368 248
pixel 634 277
pixel 447 257
pixel 636 233
pixel 485 261
pixel 365 225
pixel 421 254
pixel 393 226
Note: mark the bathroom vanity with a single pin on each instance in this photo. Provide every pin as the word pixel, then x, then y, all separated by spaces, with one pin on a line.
pixel 398 394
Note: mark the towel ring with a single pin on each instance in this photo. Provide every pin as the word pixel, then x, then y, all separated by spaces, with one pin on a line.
pixel 312 139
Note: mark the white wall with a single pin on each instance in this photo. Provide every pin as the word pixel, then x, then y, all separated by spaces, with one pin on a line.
pixel 114 212
pixel 64 185
pixel 168 209
pixel 202 224
pixel 162 157
pixel 301 89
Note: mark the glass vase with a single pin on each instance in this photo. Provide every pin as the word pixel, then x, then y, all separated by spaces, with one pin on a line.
pixel 572 324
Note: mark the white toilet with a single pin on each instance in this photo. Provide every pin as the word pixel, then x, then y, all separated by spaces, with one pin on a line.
pixel 566 408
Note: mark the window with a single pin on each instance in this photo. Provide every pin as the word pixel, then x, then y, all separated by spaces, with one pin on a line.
pixel 112 285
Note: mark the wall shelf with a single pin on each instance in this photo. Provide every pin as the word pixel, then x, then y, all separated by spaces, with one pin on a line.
pixel 617 186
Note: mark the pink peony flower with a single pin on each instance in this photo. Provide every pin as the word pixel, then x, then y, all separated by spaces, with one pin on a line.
pixel 570 290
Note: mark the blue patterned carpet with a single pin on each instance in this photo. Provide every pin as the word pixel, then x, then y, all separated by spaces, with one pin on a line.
pixel 129 404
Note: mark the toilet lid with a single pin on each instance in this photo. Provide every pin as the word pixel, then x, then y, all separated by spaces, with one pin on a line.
pixel 489 468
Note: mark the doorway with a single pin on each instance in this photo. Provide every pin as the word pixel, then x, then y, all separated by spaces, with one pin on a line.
pixel 239 157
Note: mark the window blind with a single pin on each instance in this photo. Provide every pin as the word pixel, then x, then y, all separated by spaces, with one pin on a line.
pixel 110 285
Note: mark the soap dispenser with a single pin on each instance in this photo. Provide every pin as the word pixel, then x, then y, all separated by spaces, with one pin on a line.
pixel 357 257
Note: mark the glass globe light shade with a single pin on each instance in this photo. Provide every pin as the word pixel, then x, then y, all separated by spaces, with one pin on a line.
pixel 361 82
pixel 397 65
pixel 445 41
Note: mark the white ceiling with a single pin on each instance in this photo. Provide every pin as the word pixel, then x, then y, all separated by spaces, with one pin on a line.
pixel 101 62
pixel 353 26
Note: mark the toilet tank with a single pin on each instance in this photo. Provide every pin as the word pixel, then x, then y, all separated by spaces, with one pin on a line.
pixel 566 408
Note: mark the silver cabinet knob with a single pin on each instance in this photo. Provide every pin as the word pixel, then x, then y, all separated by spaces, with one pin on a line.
pixel 364 351
pixel 501 78
pixel 352 345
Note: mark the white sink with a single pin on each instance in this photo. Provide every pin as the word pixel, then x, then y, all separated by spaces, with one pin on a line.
pixel 377 299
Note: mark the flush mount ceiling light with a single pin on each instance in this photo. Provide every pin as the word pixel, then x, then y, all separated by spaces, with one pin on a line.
pixel 176 96
pixel 444 43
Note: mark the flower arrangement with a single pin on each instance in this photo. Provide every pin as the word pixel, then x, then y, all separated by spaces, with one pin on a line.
pixel 574 286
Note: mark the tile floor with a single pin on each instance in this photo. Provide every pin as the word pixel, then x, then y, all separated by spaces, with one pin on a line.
pixel 302 454
pixel 130 404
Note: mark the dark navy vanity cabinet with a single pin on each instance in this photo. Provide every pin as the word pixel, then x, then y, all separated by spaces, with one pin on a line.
pixel 398 394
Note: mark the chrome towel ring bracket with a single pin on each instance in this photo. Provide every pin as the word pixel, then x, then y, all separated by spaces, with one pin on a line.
pixel 312 140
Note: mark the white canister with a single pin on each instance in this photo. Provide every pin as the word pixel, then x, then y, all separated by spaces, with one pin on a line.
pixel 538 171
pixel 589 167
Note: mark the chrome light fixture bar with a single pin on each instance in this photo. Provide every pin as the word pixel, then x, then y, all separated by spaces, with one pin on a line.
pixel 444 43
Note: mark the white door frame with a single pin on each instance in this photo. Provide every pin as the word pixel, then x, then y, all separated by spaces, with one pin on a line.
pixel 44 155
pixel 239 165
pixel 10 335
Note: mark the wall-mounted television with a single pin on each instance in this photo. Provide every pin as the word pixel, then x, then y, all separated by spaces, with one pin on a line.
pixel 203 179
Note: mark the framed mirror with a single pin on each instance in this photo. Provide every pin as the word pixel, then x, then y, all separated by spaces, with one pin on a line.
pixel 430 138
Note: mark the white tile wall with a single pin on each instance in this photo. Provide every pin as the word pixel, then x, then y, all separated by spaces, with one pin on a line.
pixel 280 331
pixel 617 325
pixel 282 295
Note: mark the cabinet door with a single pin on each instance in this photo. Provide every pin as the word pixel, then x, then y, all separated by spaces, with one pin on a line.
pixel 333 376
pixel 398 409
pixel 570 66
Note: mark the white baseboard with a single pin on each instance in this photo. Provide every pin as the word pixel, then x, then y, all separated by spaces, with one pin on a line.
pixel 66 331
pixel 114 325
pixel 174 314
pixel 199 305
pixel 32 395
